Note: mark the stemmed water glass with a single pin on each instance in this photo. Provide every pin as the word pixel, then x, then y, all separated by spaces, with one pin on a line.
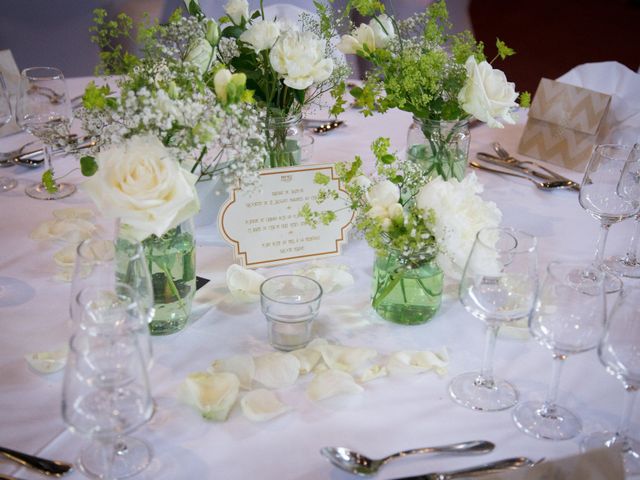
pixel 6 183
pixel 498 286
pixel 619 352
pixel 600 195
pixel 568 317
pixel 106 396
pixel 43 109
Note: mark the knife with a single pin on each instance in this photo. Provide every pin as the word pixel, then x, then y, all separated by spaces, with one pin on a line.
pixel 485 469
pixel 48 467
pixel 35 158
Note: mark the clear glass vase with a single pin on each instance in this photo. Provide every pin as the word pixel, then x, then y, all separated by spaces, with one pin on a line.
pixel 172 263
pixel 440 147
pixel 285 136
pixel 406 291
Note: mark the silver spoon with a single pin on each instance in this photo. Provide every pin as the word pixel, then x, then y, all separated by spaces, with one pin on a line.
pixel 550 185
pixel 354 462
pixel 48 467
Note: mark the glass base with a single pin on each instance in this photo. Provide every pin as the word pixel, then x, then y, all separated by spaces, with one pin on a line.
pixel 39 191
pixel 7 183
pixel 130 456
pixel 629 448
pixel 471 391
pixel 622 266
pixel 556 424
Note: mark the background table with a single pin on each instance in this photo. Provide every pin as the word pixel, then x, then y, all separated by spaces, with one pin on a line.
pixel 391 414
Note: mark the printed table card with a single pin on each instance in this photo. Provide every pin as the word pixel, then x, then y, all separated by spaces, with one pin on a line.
pixel 265 227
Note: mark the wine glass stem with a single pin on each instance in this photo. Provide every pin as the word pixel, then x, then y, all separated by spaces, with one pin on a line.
pixel 486 374
pixel 108 451
pixel 602 240
pixel 552 393
pixel 627 410
pixel 632 254
pixel 46 149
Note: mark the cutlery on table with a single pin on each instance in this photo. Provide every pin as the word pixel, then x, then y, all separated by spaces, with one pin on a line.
pixel 354 462
pixel 7 157
pixel 548 185
pixel 48 467
pixel 486 469
pixel 35 158
pixel 322 126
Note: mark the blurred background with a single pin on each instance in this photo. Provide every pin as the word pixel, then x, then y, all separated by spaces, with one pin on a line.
pixel 549 36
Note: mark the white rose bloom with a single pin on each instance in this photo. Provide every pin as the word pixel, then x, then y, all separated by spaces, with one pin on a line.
pixel 486 94
pixel 383 30
pixel 261 35
pixel 299 58
pixel 383 197
pixel 237 10
pixel 363 35
pixel 220 81
pixel 362 181
pixel 200 54
pixel 460 214
pixel 140 183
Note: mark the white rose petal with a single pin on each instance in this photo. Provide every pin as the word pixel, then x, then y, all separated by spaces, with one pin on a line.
pixel 48 362
pixel 348 359
pixel 66 257
pixel 213 394
pixel 220 81
pixel 409 362
pixel 244 284
pixel 486 93
pixel 237 10
pixel 64 275
pixel 72 230
pixel 373 372
pixel 74 212
pixel 261 35
pixel 277 369
pixel 331 383
pixel 242 366
pixel 140 182
pixel 261 405
pixel 383 30
pixel 383 194
pixel 308 358
pixel 330 276
pixel 362 181
pixel 361 36
pixel 200 54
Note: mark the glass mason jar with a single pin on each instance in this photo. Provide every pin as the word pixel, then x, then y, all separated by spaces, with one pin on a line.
pixel 172 264
pixel 405 291
pixel 440 147
pixel 285 136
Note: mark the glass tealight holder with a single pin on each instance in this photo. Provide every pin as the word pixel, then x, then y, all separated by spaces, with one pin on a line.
pixel 290 303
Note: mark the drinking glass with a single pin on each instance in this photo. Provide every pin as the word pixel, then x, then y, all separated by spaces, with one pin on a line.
pixel 601 197
pixel 498 286
pixel 6 183
pixel 568 318
pixel 628 265
pixel 106 396
pixel 44 110
pixel 619 352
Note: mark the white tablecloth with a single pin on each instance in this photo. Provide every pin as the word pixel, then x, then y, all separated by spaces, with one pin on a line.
pixel 392 413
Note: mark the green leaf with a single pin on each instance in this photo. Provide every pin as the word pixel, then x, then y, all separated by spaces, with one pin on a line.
pixel 88 165
pixel 525 100
pixel 49 182
pixel 321 178
pixel 387 159
pixel 503 50
pixel 232 31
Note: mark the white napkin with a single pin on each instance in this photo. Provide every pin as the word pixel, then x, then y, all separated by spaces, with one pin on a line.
pixel 622 123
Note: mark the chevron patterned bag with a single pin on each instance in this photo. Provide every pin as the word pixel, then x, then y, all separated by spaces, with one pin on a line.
pixel 563 124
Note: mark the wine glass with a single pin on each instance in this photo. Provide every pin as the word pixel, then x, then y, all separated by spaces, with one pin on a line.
pixel 6 183
pixel 43 109
pixel 568 317
pixel 628 265
pixel 498 286
pixel 600 195
pixel 619 352
pixel 106 396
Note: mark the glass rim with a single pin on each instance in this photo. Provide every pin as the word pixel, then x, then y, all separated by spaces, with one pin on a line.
pixel 130 295
pixel 515 234
pixel 84 244
pixel 55 73
pixel 317 297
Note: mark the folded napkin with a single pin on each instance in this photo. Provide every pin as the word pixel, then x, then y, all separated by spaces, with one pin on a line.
pixel 622 123
pixel 11 74
pixel 602 464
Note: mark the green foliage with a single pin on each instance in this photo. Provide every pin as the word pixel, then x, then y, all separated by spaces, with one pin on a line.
pixel 321 179
pixel 49 182
pixel 525 99
pixel 366 8
pixel 503 50
pixel 95 97
pixel 108 35
pixel 88 165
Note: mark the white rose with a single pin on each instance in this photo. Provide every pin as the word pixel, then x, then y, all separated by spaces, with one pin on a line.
pixel 299 58
pixel 262 35
pixel 237 10
pixel 486 94
pixel 362 181
pixel 139 182
pixel 460 214
pixel 363 35
pixel 383 30
pixel 200 54
pixel 220 81
pixel 383 197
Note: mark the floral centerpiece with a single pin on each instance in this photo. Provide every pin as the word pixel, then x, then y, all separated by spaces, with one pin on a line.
pixel 441 78
pixel 287 66
pixel 420 228
pixel 177 117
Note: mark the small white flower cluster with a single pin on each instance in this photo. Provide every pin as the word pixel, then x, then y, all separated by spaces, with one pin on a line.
pixel 228 49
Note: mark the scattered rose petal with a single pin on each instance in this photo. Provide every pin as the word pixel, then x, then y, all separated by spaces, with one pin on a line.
pixel 213 394
pixel 308 358
pixel 373 372
pixel 48 362
pixel 64 275
pixel 348 359
pixel 244 284
pixel 277 369
pixel 74 212
pixel 260 405
pixel 66 257
pixel 330 276
pixel 331 383
pixel 409 362
pixel 70 231
pixel 240 365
